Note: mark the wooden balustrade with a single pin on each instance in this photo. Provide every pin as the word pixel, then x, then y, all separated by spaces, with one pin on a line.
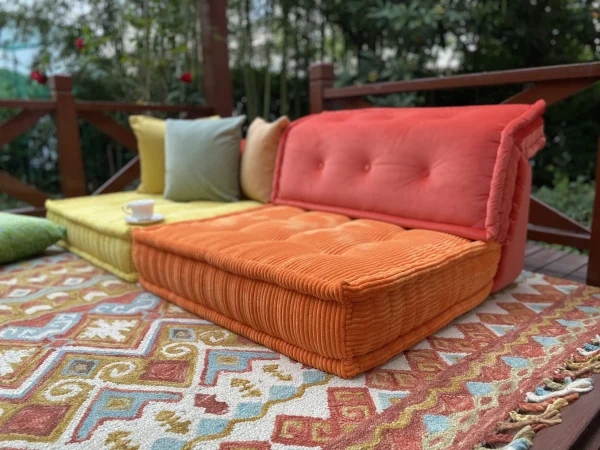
pixel 551 84
pixel 66 111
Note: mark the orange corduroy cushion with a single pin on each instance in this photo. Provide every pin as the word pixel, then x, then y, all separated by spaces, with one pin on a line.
pixel 341 295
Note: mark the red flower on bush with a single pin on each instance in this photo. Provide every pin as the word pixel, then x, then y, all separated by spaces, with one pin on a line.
pixel 186 77
pixel 38 76
pixel 79 43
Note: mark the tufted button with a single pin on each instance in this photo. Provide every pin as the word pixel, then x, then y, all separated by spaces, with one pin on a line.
pixel 367 167
pixel 321 165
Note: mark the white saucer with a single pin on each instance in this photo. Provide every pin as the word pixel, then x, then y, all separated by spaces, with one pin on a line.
pixel 154 219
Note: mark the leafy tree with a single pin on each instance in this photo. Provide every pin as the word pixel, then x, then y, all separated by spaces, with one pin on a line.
pixel 116 50
pixel 137 50
pixel 501 35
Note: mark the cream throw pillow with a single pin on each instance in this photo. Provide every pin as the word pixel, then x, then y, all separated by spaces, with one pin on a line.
pixel 202 159
pixel 150 134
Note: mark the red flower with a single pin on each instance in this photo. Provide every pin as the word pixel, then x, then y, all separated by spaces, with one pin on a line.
pixel 186 77
pixel 38 76
pixel 79 43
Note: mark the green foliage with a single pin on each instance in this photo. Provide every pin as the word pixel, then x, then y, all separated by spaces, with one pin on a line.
pixel 29 156
pixel 575 198
pixel 572 130
pixel 16 85
pixel 531 33
pixel 135 50
pixel 512 35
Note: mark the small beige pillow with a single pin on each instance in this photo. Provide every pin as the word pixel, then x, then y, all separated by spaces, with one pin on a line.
pixel 258 159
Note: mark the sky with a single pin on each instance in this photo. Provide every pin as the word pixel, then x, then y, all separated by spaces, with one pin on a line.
pixel 15 57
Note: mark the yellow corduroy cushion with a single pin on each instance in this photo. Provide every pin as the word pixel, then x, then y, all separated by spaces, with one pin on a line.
pixel 97 231
pixel 150 134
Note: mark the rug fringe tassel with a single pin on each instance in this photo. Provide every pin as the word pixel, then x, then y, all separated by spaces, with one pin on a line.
pixel 555 406
pixel 542 407
pixel 590 349
pixel 520 441
pixel 580 386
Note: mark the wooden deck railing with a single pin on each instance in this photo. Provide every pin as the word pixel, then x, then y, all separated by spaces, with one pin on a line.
pixel 551 84
pixel 66 111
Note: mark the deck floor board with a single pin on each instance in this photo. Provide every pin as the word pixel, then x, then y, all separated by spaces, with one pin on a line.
pixel 555 263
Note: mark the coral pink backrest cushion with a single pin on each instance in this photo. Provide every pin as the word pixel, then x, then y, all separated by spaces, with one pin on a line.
pixel 447 169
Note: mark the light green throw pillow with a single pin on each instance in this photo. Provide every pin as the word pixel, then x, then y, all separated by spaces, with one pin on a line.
pixel 202 159
pixel 23 236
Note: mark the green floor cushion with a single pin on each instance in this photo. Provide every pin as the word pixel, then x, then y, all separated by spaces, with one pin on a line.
pixel 24 236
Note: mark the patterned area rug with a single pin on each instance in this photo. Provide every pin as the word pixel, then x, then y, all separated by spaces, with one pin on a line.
pixel 88 361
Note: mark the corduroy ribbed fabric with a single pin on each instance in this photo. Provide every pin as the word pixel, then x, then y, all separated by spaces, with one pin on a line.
pixel 97 231
pixel 338 294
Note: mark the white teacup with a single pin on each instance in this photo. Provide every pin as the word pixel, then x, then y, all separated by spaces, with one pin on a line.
pixel 139 209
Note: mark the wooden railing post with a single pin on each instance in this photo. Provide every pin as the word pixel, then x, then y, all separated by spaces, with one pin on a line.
pixel 593 272
pixel 70 161
pixel 218 89
pixel 321 78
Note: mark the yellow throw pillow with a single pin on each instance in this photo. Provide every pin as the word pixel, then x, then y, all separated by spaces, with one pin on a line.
pixel 150 134
pixel 258 159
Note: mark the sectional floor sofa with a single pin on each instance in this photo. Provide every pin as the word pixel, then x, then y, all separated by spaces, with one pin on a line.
pixel 385 224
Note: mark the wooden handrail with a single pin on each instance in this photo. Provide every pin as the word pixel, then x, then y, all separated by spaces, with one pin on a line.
pixel 67 110
pixel 50 105
pixel 518 76
pixel 559 236
pixel 28 105
pixel 28 211
pixel 143 107
pixel 551 84
pixel 106 124
pixel 125 176
pixel 19 124
pixel 542 214
pixel 23 191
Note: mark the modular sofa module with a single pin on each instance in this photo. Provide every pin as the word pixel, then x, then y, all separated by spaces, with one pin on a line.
pixel 385 225
pixel 97 231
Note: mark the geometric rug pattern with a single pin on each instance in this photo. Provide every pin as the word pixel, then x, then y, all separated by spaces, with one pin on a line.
pixel 89 361
pixel 462 406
